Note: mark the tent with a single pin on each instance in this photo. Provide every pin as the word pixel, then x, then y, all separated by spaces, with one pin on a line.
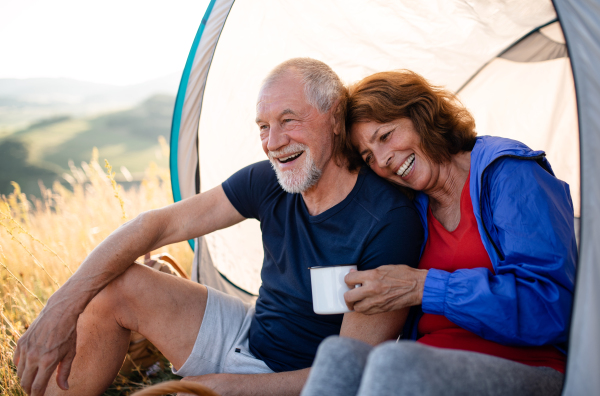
pixel 511 62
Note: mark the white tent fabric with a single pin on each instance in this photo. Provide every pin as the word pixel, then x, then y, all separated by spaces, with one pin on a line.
pixel 517 85
pixel 533 102
pixel 581 24
pixel 447 41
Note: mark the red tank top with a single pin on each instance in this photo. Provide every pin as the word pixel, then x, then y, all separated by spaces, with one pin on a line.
pixel 462 248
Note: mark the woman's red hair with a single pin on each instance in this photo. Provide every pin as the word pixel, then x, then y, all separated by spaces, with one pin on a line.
pixel 445 126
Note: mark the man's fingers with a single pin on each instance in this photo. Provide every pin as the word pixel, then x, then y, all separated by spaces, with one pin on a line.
pixel 17 355
pixel 46 366
pixel 38 388
pixel 27 377
pixel 64 369
pixel 22 358
pixel 19 363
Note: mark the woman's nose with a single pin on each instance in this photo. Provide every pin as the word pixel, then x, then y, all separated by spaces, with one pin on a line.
pixel 383 159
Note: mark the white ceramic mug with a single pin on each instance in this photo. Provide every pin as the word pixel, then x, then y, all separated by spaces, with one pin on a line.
pixel 328 288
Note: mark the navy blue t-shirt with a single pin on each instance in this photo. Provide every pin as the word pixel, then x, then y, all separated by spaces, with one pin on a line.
pixel 374 225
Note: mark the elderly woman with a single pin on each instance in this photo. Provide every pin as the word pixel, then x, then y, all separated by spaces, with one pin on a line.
pixel 492 295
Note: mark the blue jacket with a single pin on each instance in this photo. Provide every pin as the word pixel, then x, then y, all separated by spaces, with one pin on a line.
pixel 525 219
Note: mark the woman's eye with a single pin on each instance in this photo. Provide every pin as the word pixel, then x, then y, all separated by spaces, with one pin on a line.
pixel 385 136
pixel 368 159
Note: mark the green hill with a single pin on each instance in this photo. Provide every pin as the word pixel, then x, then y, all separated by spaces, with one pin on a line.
pixel 126 138
pixel 25 100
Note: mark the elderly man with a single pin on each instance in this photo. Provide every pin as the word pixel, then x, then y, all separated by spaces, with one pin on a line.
pixel 314 209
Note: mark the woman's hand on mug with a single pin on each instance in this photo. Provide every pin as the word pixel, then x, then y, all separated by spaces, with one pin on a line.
pixel 384 289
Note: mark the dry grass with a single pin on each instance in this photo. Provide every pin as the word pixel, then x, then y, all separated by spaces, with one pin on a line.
pixel 43 241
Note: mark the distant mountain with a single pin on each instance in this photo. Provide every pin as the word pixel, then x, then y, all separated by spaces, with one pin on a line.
pixel 15 167
pixel 133 94
pixel 65 90
pixel 23 101
pixel 127 138
pixel 46 90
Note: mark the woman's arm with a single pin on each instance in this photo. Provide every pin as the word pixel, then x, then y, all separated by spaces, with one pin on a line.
pixel 384 289
pixel 528 300
pixel 529 215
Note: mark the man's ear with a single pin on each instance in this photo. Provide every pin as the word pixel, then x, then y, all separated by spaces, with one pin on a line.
pixel 337 116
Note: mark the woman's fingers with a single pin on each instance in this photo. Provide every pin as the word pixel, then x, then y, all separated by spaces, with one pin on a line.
pixel 354 277
pixel 364 279
pixel 354 295
pixel 384 289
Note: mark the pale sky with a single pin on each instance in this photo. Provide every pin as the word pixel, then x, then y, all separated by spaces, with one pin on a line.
pixel 110 41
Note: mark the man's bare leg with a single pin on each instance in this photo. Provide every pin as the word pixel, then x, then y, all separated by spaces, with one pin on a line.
pixel 167 310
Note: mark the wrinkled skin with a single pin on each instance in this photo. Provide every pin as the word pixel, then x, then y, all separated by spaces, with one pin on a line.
pixel 44 348
pixel 387 149
pixel 384 289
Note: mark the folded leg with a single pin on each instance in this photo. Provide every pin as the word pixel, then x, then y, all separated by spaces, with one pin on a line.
pixel 167 310
pixel 410 368
pixel 338 367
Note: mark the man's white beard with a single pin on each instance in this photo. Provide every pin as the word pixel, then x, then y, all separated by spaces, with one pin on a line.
pixel 296 180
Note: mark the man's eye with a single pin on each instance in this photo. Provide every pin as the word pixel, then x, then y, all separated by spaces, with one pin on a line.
pixel 368 159
pixel 263 127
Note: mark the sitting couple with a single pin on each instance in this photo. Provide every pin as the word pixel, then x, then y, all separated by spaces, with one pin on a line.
pixel 483 251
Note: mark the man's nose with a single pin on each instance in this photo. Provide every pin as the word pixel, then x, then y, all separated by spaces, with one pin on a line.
pixel 277 138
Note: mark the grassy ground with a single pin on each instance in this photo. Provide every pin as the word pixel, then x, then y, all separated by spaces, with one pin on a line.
pixel 43 242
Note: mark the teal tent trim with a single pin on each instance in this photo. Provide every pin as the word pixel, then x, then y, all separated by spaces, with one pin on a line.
pixel 177 112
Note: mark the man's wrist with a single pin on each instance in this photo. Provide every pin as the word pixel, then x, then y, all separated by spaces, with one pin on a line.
pixel 72 296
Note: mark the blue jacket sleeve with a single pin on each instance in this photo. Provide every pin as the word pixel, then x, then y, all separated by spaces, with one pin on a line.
pixel 527 302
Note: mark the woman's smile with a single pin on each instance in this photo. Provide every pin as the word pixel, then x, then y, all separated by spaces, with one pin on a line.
pixel 393 151
pixel 407 167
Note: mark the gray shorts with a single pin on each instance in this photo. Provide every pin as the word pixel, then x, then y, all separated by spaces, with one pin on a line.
pixel 222 344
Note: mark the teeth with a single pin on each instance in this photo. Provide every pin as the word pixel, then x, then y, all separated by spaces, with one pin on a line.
pixel 291 157
pixel 406 166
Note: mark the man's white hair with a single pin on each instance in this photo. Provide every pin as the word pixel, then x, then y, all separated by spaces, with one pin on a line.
pixel 322 86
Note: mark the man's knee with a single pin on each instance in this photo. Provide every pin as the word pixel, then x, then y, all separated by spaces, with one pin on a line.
pixel 119 294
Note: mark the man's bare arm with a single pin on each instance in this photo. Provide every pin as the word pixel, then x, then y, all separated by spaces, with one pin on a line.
pixel 374 329
pixel 190 218
pixel 50 340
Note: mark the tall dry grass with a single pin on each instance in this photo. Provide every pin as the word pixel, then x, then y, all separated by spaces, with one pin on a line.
pixel 43 241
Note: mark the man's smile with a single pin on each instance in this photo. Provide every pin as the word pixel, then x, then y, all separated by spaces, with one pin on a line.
pixel 290 158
